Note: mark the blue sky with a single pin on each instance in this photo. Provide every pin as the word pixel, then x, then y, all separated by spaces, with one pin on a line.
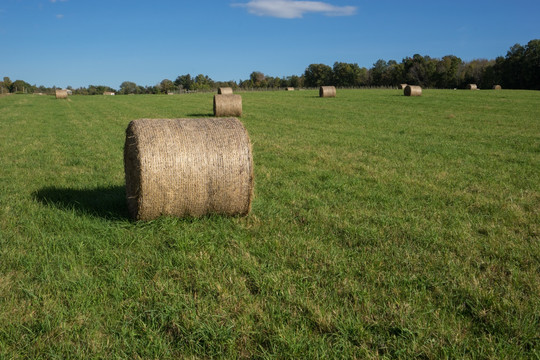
pixel 98 42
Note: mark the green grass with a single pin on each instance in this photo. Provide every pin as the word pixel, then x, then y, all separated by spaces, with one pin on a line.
pixel 382 227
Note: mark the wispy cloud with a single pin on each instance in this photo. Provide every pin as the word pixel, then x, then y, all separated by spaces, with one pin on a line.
pixel 54 1
pixel 59 16
pixel 290 9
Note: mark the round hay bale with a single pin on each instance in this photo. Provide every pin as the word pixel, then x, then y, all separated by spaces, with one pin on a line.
pixel 327 91
pixel 472 87
pixel 188 167
pixel 227 105
pixel 290 89
pixel 61 94
pixel 412 90
pixel 497 87
pixel 401 86
pixel 224 90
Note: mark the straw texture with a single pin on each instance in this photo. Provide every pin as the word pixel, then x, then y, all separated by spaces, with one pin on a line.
pixel 472 87
pixel 187 167
pixel 327 91
pixel 227 105
pixel 412 90
pixel 61 94
pixel 497 87
pixel 225 90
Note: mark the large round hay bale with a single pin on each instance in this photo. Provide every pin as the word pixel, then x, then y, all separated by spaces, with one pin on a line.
pixel 327 91
pixel 61 94
pixel 401 86
pixel 472 87
pixel 227 105
pixel 412 90
pixel 497 87
pixel 224 90
pixel 187 167
pixel 290 89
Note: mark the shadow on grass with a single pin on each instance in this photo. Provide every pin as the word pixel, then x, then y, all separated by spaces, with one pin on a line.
pixel 201 115
pixel 104 202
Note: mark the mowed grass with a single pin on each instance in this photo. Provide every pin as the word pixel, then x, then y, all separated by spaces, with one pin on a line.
pixel 382 226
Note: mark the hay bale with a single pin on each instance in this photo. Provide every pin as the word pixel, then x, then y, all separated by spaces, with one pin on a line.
pixel 61 94
pixel 497 87
pixel 188 167
pixel 327 91
pixel 401 86
pixel 412 90
pixel 290 89
pixel 224 90
pixel 472 87
pixel 227 105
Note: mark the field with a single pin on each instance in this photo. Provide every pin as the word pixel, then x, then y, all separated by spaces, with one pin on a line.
pixel 382 226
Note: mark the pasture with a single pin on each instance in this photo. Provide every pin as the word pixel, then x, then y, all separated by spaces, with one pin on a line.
pixel 382 226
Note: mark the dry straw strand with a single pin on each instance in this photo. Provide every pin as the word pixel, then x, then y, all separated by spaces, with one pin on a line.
pixel 225 90
pixel 412 90
pixel 227 105
pixel 61 94
pixel 188 167
pixel 472 87
pixel 327 91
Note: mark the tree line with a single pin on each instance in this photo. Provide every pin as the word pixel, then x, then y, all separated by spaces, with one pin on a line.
pixel 519 69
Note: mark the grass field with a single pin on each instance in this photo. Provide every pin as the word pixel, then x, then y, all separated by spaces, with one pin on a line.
pixel 382 226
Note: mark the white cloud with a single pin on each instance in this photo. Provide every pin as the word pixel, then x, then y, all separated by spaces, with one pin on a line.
pixel 289 9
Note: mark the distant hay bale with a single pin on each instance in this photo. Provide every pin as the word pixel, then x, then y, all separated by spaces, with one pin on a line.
pixel 227 105
pixel 401 86
pixel 225 91
pixel 412 90
pixel 497 87
pixel 188 167
pixel 61 94
pixel 108 93
pixel 327 91
pixel 290 89
pixel 472 87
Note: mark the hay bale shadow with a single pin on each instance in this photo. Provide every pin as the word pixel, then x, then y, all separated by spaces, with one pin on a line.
pixel 103 202
pixel 201 115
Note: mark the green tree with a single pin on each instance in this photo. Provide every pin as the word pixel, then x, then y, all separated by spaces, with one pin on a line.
pixel 128 87
pixel 446 72
pixel 317 75
pixel 472 72
pixel 531 65
pixel 295 81
pixel 378 71
pixel 512 68
pixel 20 86
pixel 394 73
pixel 203 82
pixel 420 70
pixel 166 86
pixel 257 79
pixel 184 82
pixel 348 75
pixel 7 83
